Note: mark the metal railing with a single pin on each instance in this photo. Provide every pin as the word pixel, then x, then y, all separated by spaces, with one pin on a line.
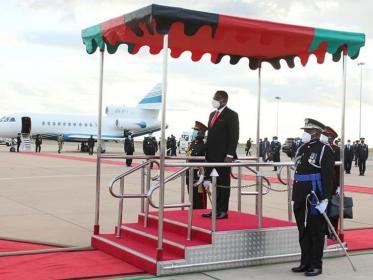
pixel 147 191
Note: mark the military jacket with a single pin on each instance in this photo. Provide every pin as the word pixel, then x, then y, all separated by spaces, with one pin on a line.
pixel 313 157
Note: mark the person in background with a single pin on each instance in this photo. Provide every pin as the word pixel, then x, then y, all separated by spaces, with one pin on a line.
pixel 19 141
pixel 91 144
pixel 362 155
pixel 38 142
pixel 348 156
pixel 173 146
pixel 129 148
pixel 266 149
pixel 149 146
pixel 275 151
pixel 60 143
pixel 295 146
pixel 248 147
pixel 356 144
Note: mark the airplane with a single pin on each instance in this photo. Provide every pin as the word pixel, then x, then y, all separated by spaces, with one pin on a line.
pixel 117 124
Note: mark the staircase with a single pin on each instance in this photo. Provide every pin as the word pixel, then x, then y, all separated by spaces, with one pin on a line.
pixel 138 244
pixel 26 142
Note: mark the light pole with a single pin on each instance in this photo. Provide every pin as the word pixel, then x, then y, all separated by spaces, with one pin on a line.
pixel 278 98
pixel 361 64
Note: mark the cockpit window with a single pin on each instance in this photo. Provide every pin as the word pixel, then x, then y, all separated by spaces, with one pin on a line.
pixel 12 119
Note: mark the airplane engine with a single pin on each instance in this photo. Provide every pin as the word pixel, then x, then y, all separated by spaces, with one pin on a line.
pixel 129 125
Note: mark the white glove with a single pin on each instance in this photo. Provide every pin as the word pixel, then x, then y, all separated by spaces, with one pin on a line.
pixel 206 184
pixel 321 207
pixel 338 190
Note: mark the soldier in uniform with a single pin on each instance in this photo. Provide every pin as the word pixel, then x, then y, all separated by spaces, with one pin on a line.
pixel 313 174
pixel 275 151
pixel 362 155
pixel 149 146
pixel 197 148
pixel 328 137
pixel 129 148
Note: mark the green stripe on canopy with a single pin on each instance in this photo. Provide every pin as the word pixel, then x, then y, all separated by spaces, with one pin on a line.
pixel 92 38
pixel 336 39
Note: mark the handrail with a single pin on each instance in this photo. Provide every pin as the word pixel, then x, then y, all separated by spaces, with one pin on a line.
pixel 173 176
pixel 128 172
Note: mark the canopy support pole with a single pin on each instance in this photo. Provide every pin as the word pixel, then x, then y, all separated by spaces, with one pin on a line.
pixel 341 168
pixel 258 135
pixel 96 229
pixel 162 149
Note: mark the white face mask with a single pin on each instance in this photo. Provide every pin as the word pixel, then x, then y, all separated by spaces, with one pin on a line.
pixel 306 137
pixel 215 104
pixel 324 139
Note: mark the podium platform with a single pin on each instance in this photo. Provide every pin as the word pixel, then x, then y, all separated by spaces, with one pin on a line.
pixel 237 242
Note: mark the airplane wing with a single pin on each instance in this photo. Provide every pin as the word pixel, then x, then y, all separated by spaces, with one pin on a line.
pixel 82 137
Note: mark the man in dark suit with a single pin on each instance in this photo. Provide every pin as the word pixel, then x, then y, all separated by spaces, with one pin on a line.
pixel 222 139
pixel 275 151
pixel 349 155
pixel 129 148
pixel 362 155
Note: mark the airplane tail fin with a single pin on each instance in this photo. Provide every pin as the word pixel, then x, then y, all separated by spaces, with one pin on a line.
pixel 153 100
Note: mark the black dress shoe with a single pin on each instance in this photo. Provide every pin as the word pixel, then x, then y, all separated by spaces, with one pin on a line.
pixel 207 215
pixel 313 272
pixel 222 215
pixel 301 268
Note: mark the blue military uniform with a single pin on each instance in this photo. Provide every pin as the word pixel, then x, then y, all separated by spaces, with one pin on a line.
pixel 314 167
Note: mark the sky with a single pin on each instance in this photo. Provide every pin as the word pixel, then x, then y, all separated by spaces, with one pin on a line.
pixel 44 67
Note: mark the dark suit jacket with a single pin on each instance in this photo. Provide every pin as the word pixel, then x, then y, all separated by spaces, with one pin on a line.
pixel 349 152
pixel 222 138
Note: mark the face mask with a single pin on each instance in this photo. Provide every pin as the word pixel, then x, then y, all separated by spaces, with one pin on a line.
pixel 215 104
pixel 324 139
pixel 275 141
pixel 194 134
pixel 306 137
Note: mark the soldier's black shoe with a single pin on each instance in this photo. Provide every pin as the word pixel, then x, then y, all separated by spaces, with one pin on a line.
pixel 313 272
pixel 207 215
pixel 301 268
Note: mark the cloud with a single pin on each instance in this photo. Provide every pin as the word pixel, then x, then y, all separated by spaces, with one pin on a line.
pixel 54 38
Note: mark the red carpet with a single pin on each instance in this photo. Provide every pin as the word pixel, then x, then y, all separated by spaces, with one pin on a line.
pixel 236 221
pixel 66 265
pixel 359 239
pixel 14 245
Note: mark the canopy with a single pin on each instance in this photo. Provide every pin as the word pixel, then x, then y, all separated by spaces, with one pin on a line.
pixel 219 35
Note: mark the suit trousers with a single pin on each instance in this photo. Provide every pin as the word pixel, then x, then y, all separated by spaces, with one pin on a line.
pixel 223 188
pixel 361 163
pixel 348 164
pixel 311 237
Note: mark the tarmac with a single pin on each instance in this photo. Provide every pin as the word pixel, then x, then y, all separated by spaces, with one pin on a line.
pixel 50 199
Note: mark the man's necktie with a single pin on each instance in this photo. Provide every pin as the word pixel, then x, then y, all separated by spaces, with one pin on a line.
pixel 214 118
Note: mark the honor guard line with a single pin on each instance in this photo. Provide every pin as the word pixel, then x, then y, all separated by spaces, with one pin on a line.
pixel 163 28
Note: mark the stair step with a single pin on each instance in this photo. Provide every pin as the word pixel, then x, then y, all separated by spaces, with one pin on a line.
pixel 132 231
pixel 176 231
pixel 121 251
